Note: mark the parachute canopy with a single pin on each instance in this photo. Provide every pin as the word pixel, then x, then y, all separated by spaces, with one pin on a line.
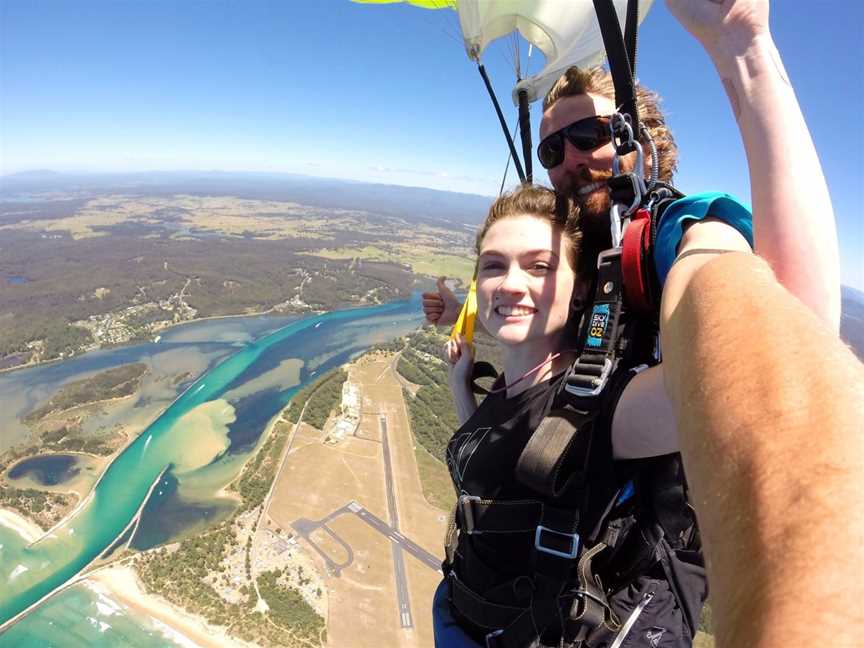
pixel 566 31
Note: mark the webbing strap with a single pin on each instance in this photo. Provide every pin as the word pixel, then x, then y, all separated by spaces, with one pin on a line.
pixel 590 611
pixel 478 610
pixel 590 372
pixel 555 443
pixel 621 53
pixel 586 613
pixel 475 515
pixel 509 626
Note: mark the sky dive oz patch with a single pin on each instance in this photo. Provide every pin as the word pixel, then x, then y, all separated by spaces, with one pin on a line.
pixel 599 322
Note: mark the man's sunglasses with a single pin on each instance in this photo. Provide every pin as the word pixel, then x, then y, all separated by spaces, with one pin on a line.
pixel 586 135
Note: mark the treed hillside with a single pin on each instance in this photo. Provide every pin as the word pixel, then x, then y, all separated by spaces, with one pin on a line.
pixel 433 416
pixel 319 398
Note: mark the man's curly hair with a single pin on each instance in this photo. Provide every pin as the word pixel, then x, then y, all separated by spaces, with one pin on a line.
pixel 596 80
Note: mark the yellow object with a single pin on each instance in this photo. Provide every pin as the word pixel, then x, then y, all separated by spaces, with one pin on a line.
pixel 423 4
pixel 465 323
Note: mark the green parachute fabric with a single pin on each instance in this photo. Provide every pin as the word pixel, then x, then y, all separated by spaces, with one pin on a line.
pixel 566 31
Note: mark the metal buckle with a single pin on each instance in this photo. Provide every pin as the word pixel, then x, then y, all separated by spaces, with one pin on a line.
pixel 574 542
pixel 598 381
pixel 468 512
pixel 491 640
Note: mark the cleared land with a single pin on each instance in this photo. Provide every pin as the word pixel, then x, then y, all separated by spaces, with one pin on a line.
pixel 166 259
pixel 318 479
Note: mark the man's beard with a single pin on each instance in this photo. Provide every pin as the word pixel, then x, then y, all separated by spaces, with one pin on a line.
pixel 594 209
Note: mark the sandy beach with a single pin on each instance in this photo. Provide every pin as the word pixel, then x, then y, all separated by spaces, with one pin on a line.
pixel 121 584
pixel 24 526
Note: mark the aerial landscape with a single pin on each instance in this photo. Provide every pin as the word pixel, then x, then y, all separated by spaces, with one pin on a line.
pixel 200 378
pixel 249 379
pixel 224 418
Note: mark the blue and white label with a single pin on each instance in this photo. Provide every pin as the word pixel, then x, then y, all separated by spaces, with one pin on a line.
pixel 597 327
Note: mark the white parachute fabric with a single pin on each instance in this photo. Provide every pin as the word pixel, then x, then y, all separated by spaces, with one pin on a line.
pixel 566 31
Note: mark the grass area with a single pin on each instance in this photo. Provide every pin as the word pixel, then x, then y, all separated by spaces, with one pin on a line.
pixel 435 480
pixel 703 640
pixel 422 261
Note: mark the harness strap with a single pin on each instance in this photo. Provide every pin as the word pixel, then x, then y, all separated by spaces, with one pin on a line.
pixel 590 372
pixel 579 615
pixel 508 626
pixel 478 610
pixel 476 515
pixel 554 445
pixel 622 63
pixel 590 614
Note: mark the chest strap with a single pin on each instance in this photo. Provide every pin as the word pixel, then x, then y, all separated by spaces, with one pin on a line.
pixel 556 456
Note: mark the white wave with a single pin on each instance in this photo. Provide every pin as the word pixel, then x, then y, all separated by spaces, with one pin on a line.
pixel 20 569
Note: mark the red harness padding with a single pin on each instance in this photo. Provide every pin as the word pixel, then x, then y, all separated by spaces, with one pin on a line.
pixel 634 257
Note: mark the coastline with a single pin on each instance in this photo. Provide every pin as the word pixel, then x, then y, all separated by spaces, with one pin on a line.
pixel 159 331
pixel 22 525
pixel 121 583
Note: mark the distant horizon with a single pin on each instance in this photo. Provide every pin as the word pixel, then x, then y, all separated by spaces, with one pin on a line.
pixel 35 171
pixel 849 277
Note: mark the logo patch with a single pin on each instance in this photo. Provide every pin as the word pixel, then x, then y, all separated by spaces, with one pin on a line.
pixel 597 327
pixel 654 635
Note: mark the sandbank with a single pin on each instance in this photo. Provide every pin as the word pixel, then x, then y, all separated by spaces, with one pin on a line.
pixel 24 526
pixel 122 584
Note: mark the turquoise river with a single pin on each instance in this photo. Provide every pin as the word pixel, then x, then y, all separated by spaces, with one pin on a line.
pixel 235 393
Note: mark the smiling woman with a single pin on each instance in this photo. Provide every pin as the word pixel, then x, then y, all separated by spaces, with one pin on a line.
pixel 537 481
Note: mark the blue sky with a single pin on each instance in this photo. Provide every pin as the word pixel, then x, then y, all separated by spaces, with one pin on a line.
pixel 376 93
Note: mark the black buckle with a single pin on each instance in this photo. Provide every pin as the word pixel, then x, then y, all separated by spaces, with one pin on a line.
pixel 539 546
pixel 467 513
pixel 492 638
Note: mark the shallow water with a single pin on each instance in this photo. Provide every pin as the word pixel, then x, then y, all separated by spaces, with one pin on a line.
pixel 235 399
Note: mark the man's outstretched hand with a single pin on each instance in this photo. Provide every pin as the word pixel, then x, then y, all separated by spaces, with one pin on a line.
pixel 441 308
pixel 713 22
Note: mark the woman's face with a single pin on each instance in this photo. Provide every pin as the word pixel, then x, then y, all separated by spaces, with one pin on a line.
pixel 525 282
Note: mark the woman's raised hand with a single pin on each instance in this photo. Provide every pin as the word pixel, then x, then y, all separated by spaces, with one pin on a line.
pixel 460 355
pixel 442 307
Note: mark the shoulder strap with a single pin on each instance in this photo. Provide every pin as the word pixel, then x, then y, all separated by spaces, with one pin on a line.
pixel 557 441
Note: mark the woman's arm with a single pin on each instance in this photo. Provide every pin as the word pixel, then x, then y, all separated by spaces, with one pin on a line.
pixel 793 218
pixel 644 421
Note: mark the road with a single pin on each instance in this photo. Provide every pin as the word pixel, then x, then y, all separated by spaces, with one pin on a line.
pixel 306 527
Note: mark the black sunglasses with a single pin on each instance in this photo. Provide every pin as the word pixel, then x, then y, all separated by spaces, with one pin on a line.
pixel 585 134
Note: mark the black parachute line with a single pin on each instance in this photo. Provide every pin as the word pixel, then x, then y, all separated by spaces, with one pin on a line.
pixel 516 161
pixel 621 54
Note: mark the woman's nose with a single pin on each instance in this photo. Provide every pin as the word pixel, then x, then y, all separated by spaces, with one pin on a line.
pixel 512 281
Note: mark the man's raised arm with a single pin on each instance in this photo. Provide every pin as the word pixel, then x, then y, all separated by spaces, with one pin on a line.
pixel 793 219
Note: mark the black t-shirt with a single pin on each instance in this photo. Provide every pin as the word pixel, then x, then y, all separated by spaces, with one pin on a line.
pixel 482 457
pixel 482 454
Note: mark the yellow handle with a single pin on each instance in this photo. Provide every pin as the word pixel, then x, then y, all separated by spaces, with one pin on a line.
pixel 465 323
